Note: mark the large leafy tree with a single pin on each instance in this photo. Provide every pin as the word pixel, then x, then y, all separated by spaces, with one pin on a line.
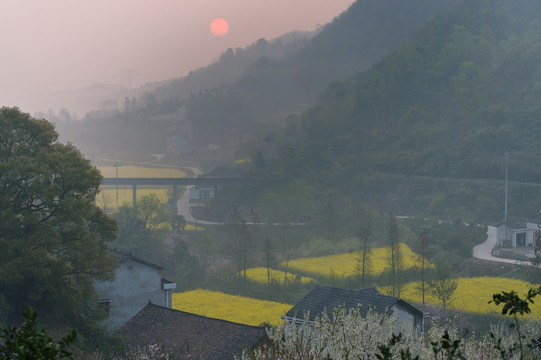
pixel 53 238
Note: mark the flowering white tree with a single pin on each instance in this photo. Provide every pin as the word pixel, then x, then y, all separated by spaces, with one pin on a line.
pixel 348 335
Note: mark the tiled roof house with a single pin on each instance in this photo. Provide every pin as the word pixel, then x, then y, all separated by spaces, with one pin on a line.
pixel 325 299
pixel 177 331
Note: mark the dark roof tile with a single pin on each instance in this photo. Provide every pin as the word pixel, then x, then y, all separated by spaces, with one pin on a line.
pixel 326 298
pixel 123 257
pixel 176 330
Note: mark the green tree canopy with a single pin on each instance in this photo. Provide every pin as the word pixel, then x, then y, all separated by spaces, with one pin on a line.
pixel 151 212
pixel 52 235
pixel 30 342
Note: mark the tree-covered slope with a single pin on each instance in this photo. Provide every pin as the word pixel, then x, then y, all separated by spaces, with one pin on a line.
pixel 449 103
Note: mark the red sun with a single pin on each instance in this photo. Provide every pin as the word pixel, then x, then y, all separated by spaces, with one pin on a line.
pixel 219 27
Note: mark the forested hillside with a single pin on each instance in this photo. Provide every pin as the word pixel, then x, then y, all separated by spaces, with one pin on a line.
pixel 447 105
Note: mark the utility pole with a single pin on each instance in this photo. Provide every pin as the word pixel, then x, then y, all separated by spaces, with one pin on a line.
pixel 268 140
pixel 116 166
pixel 505 211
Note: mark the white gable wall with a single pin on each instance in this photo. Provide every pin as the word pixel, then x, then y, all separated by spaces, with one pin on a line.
pixel 199 193
pixel 406 319
pixel 135 284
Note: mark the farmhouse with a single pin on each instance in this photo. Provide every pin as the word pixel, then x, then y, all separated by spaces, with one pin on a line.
pixel 189 335
pixel 519 234
pixel 325 299
pixel 137 281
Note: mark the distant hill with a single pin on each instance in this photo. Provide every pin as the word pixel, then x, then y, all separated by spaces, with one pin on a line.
pixel 427 128
pixel 253 89
pixel 232 65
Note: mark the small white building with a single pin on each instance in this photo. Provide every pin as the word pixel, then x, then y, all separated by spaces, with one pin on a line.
pixel 202 193
pixel 519 234
pixel 136 283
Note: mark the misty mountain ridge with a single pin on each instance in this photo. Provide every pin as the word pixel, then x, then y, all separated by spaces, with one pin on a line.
pixel 227 68
pixel 269 90
pixel 232 65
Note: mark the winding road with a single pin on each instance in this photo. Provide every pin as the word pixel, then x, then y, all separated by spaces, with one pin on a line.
pixel 184 204
pixel 484 251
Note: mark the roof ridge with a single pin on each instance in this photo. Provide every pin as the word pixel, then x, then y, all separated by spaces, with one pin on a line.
pixel 128 256
pixel 150 303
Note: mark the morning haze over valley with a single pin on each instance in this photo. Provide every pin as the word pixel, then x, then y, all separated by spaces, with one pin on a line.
pixel 303 179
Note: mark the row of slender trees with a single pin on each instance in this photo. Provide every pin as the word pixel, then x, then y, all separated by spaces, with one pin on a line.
pixel 436 276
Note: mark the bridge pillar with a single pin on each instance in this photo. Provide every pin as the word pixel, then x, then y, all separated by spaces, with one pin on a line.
pixel 175 193
pixel 134 192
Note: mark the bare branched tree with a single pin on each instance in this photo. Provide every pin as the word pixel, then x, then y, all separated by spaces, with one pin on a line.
pixel 442 285
pixel 396 261
pixel 364 259
pixel 422 258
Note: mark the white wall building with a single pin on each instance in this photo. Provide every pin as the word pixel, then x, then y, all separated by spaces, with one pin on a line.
pixel 136 283
pixel 519 234
pixel 202 193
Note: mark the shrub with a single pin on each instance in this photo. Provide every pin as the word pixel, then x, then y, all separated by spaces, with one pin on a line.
pixel 28 342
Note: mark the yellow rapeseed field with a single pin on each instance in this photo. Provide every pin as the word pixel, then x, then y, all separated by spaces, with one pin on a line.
pixel 108 194
pixel 242 161
pixel 130 171
pixel 473 294
pixel 191 227
pixel 260 275
pixel 345 264
pixel 238 309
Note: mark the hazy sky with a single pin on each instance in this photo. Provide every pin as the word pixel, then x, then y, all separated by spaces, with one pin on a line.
pixel 62 44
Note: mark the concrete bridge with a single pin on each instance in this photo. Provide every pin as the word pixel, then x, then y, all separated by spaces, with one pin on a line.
pixel 174 182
